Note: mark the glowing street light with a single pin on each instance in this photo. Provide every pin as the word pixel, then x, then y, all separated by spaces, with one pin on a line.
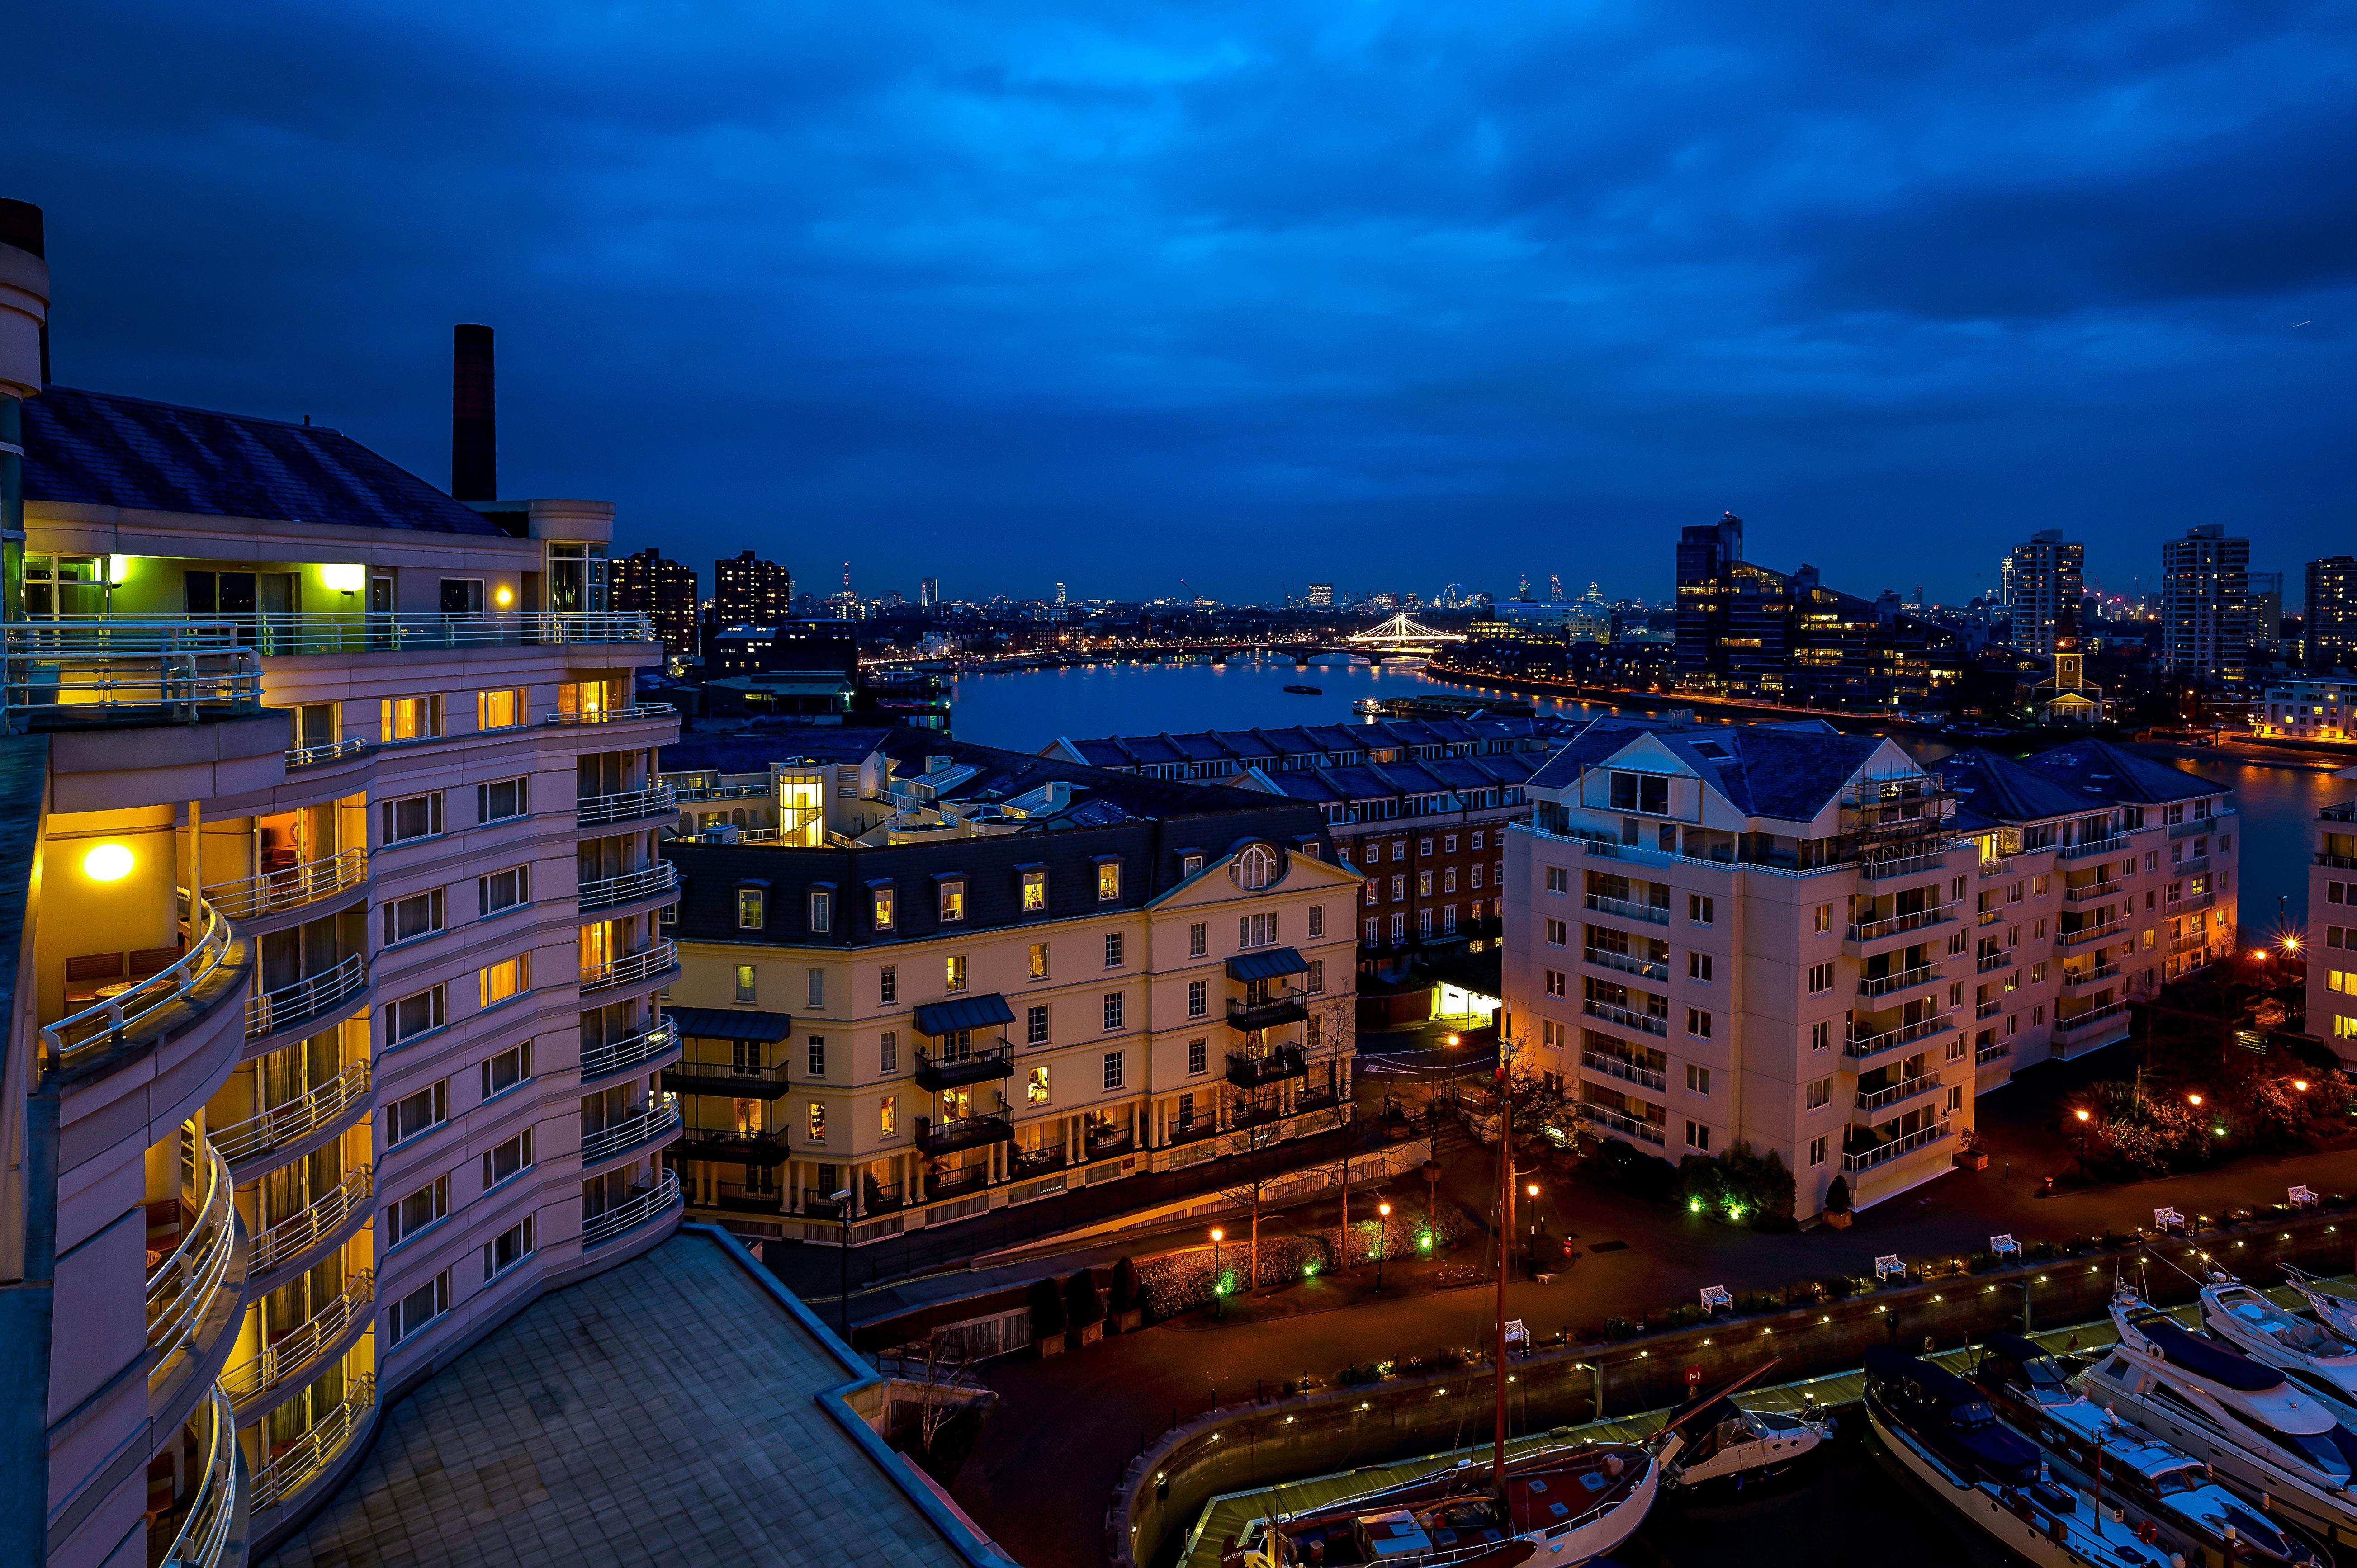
pixel 1382 1243
pixel 1218 1291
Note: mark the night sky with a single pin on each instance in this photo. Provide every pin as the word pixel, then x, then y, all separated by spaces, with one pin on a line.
pixel 1250 294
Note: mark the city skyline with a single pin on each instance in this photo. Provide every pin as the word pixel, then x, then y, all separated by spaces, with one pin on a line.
pixel 869 322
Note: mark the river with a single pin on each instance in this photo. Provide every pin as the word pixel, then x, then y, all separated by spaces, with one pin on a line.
pixel 1027 710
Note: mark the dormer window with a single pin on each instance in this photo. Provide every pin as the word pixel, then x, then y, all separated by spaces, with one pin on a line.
pixel 1034 890
pixel 1256 867
pixel 952 899
pixel 1648 792
pixel 752 908
pixel 882 907
pixel 822 911
pixel 1108 878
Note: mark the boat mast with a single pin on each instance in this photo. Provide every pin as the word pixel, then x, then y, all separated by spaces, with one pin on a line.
pixel 1505 1240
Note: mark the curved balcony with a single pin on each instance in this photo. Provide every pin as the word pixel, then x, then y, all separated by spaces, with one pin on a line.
pixel 633 1135
pixel 295 1234
pixel 659 880
pixel 183 1285
pixel 296 886
pixel 638 968
pixel 620 1056
pixel 329 751
pixel 199 1527
pixel 648 1206
pixel 283 1126
pixel 148 1005
pixel 287 1472
pixel 628 805
pixel 69 673
pixel 339 631
pixel 293 1356
pixel 275 1012
pixel 617 715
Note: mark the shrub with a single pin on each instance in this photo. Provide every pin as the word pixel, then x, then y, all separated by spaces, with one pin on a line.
pixel 2042 1251
pixel 1620 1328
pixel 1124 1284
pixel 1046 1308
pixel 1837 1193
pixel 1838 1287
pixel 1981 1262
pixel 1080 1300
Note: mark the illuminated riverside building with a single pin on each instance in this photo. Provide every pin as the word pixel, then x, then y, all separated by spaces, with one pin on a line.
pixel 336 1038
pixel 1780 936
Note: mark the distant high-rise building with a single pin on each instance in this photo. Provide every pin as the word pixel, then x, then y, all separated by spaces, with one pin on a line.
pixel 2329 628
pixel 750 591
pixel 929 591
pixel 1060 594
pixel 2267 609
pixel 2043 581
pixel 1322 594
pixel 663 589
pixel 1555 586
pixel 2205 611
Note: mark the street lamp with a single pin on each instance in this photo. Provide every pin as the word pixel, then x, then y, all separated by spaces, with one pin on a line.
pixel 1382 1241
pixel 842 1201
pixel 1453 1043
pixel 2083 1119
pixel 1531 1190
pixel 1219 1298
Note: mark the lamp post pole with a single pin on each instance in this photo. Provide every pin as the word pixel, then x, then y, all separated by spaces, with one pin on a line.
pixel 843 1210
pixel 1219 1298
pixel 1383 1239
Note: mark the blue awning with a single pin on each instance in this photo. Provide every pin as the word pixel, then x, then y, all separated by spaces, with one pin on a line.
pixel 1267 965
pixel 729 1024
pixel 963 1013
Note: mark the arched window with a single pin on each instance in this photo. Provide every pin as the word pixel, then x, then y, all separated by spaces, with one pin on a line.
pixel 1257 867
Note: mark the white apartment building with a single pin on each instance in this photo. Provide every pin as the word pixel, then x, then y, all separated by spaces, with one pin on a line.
pixel 2307 710
pixel 335 1041
pixel 1800 941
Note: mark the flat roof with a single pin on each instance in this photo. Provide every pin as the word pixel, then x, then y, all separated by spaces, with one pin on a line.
pixel 663 1412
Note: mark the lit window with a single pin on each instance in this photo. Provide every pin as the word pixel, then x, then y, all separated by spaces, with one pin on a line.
pixel 1108 881
pixel 509 978
pixel 954 900
pixel 1035 1087
pixel 883 906
pixel 1035 892
pixel 751 909
pixel 502 709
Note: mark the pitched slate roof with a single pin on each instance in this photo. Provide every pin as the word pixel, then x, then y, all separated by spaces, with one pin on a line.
pixel 100 449
pixel 2099 770
pixel 1991 789
pixel 1788 772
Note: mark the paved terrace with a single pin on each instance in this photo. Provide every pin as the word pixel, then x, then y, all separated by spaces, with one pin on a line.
pixel 664 1413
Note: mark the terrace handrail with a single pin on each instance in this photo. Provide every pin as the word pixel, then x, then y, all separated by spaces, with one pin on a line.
pixel 648 1203
pixel 292 886
pixel 340 631
pixel 285 1475
pixel 293 1119
pixel 181 1286
pixel 625 804
pixel 306 998
pixel 292 1352
pixel 648 882
pixel 659 1117
pixel 291 1235
pixel 597 1061
pixel 115 1017
pixel 204 1529
pixel 631 968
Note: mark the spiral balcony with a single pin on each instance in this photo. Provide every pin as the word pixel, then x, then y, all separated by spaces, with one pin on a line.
pixel 294 1356
pixel 633 1135
pixel 194 1531
pixel 282 1130
pixel 656 1044
pixel 648 1205
pixel 195 1291
pixel 311 1000
pixel 329 1218
pixel 257 901
pixel 656 964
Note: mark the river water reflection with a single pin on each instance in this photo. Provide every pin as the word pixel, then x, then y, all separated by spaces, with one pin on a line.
pixel 1027 710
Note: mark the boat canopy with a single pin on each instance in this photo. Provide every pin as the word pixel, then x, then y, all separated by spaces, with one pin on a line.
pixel 2202 1358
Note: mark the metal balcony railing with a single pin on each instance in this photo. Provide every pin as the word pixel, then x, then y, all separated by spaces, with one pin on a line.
pixel 1885 1153
pixel 615 715
pixel 2097 846
pixel 656 880
pixel 2198 901
pixel 287 1472
pixel 1279 1006
pixel 326 751
pixel 1628 910
pixel 290 1236
pixel 1891 925
pixel 1605 957
pixel 2188 942
pixel 1628 1127
pixel 1907 1089
pixel 2091 890
pixel 1248 1071
pixel 1910 865
pixel 653 1124
pixel 957 1132
pixel 1628 1071
pixel 2073 979
pixel 759 791
pixel 290 1354
pixel 1862 1047
pixel 2192 866
pixel 201 1533
pixel 2080 1024
pixel 181 1288
pixel 656 801
pixel 1884 984
pixel 2200 825
pixel 645 1206
pixel 615 1056
pixel 1991 961
pixel 2086 934
pixel 937 1071
pixel 2346 811
pixel 304 999
pixel 78 671
pixel 631 969
pixel 276 891
pixel 345 631
pixel 1643 1022
pixel 122 1016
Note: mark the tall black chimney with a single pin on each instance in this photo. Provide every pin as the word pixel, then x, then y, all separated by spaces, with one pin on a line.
pixel 474 446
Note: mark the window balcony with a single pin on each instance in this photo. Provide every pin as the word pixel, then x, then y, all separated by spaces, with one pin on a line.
pixel 2188 942
pixel 1893 925
pixel 1863 1047
pixel 1643 1022
pixel 2086 934
pixel 634 968
pixel 1283 1007
pixel 1883 1153
pixel 1627 1126
pixel 2079 1027
pixel 2210 824
pixel 2110 845
pixel 1988 963
pixel 1987 1010
pixel 739 1145
pixel 635 712
pixel 650 1204
pixel 1910 865
pixel 293 1235
pixel 628 805
pixel 2192 866
pixel 1605 957
pixel 306 998
pixel 290 1466
pixel 1904 980
pixel 1984 1055
pixel 183 1285
pixel 634 1050
pixel 295 1355
pixel 285 632
pixel 1627 1072
pixel 1869 1101
pixel 632 1133
pixel 277 892
pixel 2091 890
pixel 2078 978
pixel 147 1006
pixel 659 880
pixel 327 751
pixel 1248 1071
pixel 71 673
pixel 2198 901
pixel 957 1132
pixel 318 1109
pixel 1626 910
pixel 194 1531
pixel 937 1071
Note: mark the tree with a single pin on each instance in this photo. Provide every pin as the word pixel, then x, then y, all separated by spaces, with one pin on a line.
pixel 944 1384
pixel 1046 1308
pixel 1124 1289
pixel 1082 1304
pixel 1837 1193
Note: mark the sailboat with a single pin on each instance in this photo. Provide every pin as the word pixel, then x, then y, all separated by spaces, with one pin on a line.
pixel 2262 1436
pixel 1558 1506
pixel 2164 1492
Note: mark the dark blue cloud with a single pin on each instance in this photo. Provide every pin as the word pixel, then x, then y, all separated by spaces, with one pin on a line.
pixel 1254 293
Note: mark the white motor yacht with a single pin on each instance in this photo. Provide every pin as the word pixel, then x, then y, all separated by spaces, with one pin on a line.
pixel 2262 1436
pixel 2337 1312
pixel 2265 1332
pixel 1721 1442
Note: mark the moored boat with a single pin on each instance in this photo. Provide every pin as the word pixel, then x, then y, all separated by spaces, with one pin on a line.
pixel 2265 1332
pixel 2337 1312
pixel 1306 690
pixel 1722 1445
